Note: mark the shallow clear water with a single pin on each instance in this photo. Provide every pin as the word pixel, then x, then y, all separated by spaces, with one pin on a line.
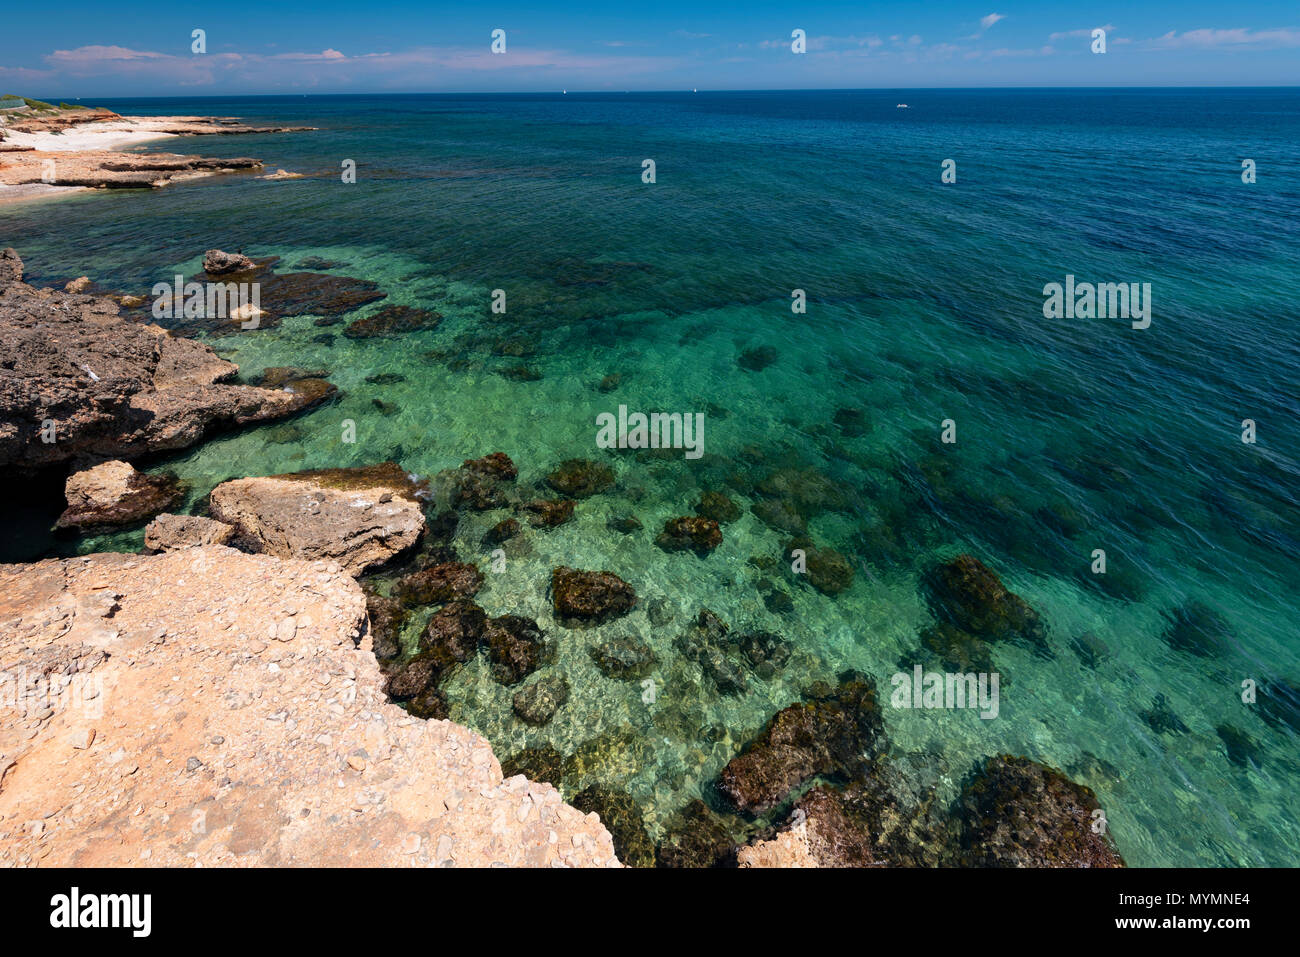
pixel 924 304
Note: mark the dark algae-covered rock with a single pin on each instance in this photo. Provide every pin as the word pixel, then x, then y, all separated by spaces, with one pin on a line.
pixel 622 818
pixel 541 763
pixel 537 702
pixel 828 735
pixel 580 478
pixel 625 659
pixel 696 837
pixel 1019 813
pixel 387 615
pixel 391 321
pixel 516 648
pixel 549 512
pixel 590 596
pixel 690 533
pixel 453 633
pixel 1197 630
pixel 967 594
pixel 439 583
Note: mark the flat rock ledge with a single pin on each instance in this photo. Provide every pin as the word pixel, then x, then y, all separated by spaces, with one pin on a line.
pixel 359 517
pixel 205 707
pixel 78 380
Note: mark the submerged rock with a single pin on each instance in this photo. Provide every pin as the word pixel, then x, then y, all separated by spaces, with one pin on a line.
pixel 625 659
pixel 828 735
pixel 537 703
pixel 501 532
pixel 1198 630
pixel 779 515
pixel 114 493
pixel 590 596
pixel 624 525
pixel 708 643
pixel 957 650
pixel 516 648
pixel 1019 813
pixel 540 763
pixel 359 517
pixel 766 652
pixel 549 513
pixel 700 535
pixel 826 569
pixel 718 506
pixel 622 818
pixel 581 478
pixel 1279 704
pixel 1241 747
pixel 695 837
pixel 967 594
pixel 1161 718
pixel 439 583
pixel 758 358
pixel 393 321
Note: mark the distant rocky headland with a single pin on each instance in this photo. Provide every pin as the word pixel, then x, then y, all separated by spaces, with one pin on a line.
pixel 48 150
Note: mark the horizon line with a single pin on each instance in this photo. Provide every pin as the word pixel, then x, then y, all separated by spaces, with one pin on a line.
pixel 680 90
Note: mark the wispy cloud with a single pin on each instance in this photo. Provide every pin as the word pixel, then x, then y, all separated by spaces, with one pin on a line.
pixel 1086 32
pixel 1220 39
pixel 992 18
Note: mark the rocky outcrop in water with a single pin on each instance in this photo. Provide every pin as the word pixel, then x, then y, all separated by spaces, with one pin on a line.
pixel 439 583
pixel 690 533
pixel 79 381
pixel 1019 813
pixel 359 517
pixel 830 735
pixel 113 494
pixel 590 596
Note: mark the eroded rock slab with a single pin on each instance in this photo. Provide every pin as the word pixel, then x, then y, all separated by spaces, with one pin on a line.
pixel 278 747
pixel 358 517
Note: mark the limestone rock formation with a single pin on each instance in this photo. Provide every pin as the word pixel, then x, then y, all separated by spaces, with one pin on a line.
pixel 278 747
pixel 358 517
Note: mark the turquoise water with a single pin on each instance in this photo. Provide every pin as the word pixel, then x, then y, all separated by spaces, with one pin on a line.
pixel 924 304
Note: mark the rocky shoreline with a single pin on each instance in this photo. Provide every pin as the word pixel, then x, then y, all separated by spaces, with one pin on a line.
pixel 245 697
pixel 51 154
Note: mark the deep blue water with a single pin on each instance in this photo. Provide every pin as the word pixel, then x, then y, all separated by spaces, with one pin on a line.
pixel 925 303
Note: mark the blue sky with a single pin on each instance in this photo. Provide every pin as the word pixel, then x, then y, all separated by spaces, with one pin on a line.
pixel 288 46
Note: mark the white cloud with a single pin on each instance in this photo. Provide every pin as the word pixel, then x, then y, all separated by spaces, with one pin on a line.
pixel 1219 39
pixel 1086 32
pixel 992 18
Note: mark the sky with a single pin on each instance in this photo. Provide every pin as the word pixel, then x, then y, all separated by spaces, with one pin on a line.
pixel 85 49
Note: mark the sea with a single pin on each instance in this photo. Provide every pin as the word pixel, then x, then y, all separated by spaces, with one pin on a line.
pixel 856 297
